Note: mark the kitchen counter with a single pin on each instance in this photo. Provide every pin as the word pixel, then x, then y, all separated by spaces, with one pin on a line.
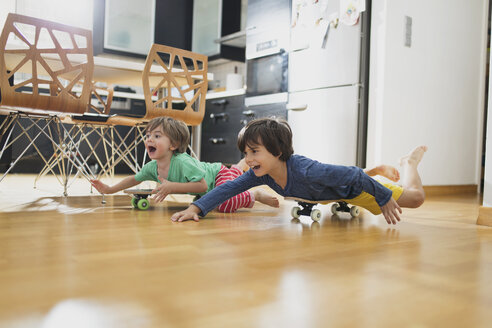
pixel 108 68
pixel 222 94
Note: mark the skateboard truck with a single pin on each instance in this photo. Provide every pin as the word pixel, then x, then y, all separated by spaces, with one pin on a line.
pixel 306 208
pixel 139 198
pixel 343 207
pixel 141 202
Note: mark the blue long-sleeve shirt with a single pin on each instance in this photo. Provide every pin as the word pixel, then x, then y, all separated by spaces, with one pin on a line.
pixel 307 179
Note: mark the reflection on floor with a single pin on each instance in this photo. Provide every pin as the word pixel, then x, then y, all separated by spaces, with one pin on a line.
pixel 73 261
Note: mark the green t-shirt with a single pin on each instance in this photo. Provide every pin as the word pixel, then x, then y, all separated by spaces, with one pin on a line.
pixel 183 168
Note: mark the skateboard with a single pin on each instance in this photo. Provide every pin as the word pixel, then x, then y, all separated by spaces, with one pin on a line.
pixel 315 214
pixel 139 199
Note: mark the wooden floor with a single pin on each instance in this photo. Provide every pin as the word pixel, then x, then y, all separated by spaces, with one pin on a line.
pixel 73 259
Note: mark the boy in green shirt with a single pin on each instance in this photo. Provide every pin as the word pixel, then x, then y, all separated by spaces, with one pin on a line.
pixel 179 173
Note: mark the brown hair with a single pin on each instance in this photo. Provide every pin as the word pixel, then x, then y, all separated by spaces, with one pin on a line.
pixel 177 131
pixel 273 133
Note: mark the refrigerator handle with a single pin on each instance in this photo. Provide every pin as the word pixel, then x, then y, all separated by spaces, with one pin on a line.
pixel 296 107
pixel 249 113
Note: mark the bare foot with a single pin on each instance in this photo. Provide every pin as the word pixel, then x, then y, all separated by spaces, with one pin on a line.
pixel 387 171
pixel 414 157
pixel 265 198
pixel 242 164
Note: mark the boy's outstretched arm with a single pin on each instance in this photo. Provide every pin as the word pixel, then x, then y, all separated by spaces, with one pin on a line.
pixel 191 213
pixel 166 187
pixel 390 211
pixel 126 183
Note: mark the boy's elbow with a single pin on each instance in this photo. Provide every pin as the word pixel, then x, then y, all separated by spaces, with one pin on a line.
pixel 203 186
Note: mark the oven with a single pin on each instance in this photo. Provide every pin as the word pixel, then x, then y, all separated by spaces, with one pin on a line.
pixel 267 79
pixel 267 46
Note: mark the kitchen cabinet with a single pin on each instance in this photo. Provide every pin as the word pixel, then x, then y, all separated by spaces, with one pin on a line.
pixel 173 24
pixel 186 24
pixel 168 22
pixel 224 118
pixel 212 20
pixel 207 23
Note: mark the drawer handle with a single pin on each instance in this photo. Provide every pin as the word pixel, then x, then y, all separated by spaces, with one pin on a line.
pixel 217 141
pixel 219 116
pixel 221 102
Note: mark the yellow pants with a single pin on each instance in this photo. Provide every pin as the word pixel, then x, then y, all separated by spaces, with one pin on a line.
pixel 368 201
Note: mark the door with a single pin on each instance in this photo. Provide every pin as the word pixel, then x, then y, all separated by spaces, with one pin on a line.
pixel 327 129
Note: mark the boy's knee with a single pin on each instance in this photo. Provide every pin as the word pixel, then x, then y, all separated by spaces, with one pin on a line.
pixel 418 199
pixel 226 207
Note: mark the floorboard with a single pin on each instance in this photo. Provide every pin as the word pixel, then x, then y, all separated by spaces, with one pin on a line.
pixel 73 259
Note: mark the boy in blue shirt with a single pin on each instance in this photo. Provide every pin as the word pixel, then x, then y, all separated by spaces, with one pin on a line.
pixel 267 145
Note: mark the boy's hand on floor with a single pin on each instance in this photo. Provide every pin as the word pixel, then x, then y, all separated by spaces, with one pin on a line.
pixel 390 211
pixel 162 190
pixel 101 187
pixel 191 213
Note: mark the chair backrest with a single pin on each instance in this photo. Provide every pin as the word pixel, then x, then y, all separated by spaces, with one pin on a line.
pixel 179 87
pixel 104 97
pixel 57 60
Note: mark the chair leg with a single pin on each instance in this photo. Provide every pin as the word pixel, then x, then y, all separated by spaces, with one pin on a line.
pixel 31 142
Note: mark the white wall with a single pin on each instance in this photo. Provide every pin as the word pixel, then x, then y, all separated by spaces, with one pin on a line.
pixel 487 192
pixel 6 7
pixel 431 93
pixel 71 12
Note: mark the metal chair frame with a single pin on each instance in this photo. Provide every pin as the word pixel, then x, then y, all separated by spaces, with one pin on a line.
pixel 45 50
pixel 169 76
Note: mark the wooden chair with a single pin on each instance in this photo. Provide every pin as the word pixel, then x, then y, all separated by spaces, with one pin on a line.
pixel 57 58
pixel 59 61
pixel 174 84
pixel 53 66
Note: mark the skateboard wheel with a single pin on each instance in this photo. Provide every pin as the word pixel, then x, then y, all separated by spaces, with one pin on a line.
pixel 334 208
pixel 354 211
pixel 135 202
pixel 316 215
pixel 295 212
pixel 143 204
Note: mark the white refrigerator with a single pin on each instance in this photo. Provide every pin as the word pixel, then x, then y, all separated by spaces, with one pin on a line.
pixel 325 82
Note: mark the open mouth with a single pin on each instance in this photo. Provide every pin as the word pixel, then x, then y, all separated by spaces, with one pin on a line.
pixel 151 150
pixel 256 167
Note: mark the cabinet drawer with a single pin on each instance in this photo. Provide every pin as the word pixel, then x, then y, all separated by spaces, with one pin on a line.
pixel 223 113
pixel 224 118
pixel 220 147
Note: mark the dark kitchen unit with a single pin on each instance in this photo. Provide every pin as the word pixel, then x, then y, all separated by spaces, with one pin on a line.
pixel 125 102
pixel 224 117
pixel 213 20
pixel 127 27
pixel 267 47
pixel 266 95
